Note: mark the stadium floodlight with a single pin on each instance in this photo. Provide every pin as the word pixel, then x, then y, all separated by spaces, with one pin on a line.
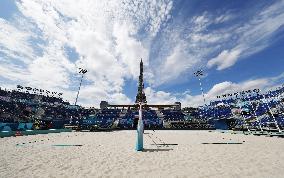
pixel 198 74
pixel 82 71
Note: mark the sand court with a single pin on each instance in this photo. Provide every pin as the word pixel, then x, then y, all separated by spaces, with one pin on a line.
pixel 165 154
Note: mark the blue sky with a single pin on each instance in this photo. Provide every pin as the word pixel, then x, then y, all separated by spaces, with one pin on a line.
pixel 238 44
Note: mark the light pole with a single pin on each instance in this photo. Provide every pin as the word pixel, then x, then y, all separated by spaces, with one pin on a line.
pixel 198 74
pixel 82 71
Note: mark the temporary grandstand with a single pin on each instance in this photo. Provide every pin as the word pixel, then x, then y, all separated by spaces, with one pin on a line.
pixel 25 108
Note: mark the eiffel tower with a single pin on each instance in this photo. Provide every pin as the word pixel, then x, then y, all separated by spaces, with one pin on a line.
pixel 141 97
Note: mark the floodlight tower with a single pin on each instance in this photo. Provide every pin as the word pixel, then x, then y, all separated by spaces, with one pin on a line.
pixel 82 71
pixel 198 74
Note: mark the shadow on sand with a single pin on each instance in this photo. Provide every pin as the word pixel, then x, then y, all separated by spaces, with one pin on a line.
pixel 155 150
pixel 165 144
pixel 223 143
pixel 63 145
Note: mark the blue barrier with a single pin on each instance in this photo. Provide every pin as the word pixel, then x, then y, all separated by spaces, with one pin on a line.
pixel 15 126
pixel 7 128
pixel 32 132
pixel 221 124
pixel 29 126
pixel 21 126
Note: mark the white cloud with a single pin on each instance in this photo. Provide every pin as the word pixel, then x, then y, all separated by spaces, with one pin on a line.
pixel 187 99
pixel 214 40
pixel 149 13
pixel 104 34
pixel 13 72
pixel 251 37
pixel 14 42
pixel 111 36
pixel 129 50
pixel 225 59
pixel 174 65
pixel 159 97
